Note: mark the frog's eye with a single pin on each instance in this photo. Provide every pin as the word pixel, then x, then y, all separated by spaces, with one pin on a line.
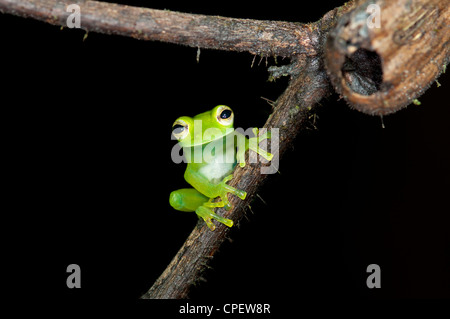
pixel 224 115
pixel 180 129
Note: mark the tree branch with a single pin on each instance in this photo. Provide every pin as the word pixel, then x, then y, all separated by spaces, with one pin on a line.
pixel 268 38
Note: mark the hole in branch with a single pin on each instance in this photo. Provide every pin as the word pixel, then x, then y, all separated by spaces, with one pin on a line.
pixel 363 72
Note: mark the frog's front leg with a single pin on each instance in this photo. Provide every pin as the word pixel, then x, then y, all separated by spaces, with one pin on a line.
pixel 252 143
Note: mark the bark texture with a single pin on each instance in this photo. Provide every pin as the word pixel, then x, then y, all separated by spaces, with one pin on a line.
pixel 380 70
pixel 268 38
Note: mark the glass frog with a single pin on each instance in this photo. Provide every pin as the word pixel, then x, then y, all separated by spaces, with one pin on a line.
pixel 212 149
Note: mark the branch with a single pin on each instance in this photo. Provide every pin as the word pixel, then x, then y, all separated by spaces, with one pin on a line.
pixel 268 38
pixel 363 63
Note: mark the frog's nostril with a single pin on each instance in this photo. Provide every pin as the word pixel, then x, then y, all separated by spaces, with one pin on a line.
pixel 198 137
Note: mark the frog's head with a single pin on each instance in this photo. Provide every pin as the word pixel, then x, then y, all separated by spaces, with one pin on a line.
pixel 204 127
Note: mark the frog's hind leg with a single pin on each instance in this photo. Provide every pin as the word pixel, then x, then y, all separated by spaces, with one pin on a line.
pixel 191 200
pixel 207 214
pixel 187 199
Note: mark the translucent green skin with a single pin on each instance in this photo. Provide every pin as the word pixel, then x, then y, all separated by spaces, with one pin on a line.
pixel 209 178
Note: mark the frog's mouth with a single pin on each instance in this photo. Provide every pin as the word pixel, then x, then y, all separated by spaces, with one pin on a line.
pixel 208 136
pixel 217 150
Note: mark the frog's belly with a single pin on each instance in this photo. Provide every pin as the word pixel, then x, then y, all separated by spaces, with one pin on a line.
pixel 215 172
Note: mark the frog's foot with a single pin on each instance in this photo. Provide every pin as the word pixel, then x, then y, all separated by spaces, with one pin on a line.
pixel 253 144
pixel 225 189
pixel 240 156
pixel 206 211
pixel 212 204
pixel 207 214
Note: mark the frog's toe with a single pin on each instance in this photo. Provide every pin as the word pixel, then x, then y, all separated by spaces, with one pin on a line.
pixel 209 223
pixel 227 179
pixel 225 201
pixel 207 215
pixel 266 136
pixel 241 194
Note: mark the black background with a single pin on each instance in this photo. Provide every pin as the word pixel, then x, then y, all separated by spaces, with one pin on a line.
pixel 91 136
